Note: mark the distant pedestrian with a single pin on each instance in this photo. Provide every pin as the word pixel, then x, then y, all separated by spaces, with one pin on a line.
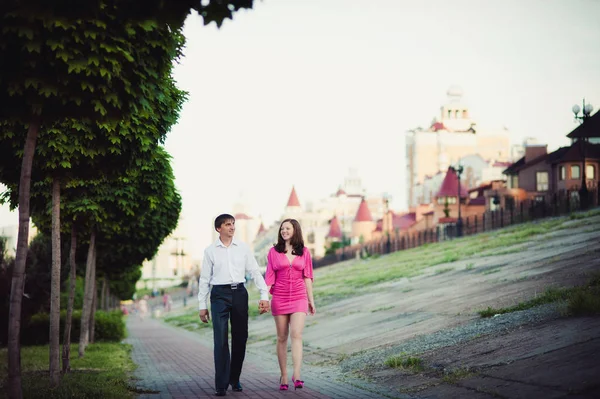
pixel 224 266
pixel 143 307
pixel 289 277
pixel 167 301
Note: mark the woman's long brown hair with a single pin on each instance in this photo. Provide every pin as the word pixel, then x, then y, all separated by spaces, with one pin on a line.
pixel 297 241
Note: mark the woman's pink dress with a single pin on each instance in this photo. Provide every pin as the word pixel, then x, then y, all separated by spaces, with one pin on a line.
pixel 287 281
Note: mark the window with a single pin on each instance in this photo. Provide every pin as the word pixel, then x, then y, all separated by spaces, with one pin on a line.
pixel 514 181
pixel 541 181
pixel 562 173
pixel 311 238
pixel 575 169
pixel 590 172
pixel 442 200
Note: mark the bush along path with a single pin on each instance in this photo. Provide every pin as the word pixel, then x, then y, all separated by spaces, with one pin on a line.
pixel 175 363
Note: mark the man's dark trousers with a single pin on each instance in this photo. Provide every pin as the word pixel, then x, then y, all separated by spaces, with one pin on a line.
pixel 226 304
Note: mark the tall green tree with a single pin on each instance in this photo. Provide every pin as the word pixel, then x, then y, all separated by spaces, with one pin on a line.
pixel 73 62
pixel 106 70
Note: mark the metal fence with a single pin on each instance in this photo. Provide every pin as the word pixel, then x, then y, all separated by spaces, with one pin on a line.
pixel 562 203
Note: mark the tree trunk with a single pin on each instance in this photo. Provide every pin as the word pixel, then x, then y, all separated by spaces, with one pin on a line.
pixel 108 295
pixel 15 390
pixel 66 353
pixel 103 294
pixel 88 296
pixel 55 288
pixel 94 306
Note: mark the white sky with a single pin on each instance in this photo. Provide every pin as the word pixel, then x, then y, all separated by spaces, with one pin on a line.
pixel 294 92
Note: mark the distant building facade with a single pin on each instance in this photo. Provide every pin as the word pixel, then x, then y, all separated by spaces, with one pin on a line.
pixel 452 136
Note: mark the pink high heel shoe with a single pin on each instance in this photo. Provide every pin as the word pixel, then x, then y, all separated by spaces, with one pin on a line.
pixel 283 387
pixel 298 384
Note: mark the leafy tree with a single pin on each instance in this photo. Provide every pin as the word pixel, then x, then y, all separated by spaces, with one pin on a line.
pixel 105 69
pixel 346 242
pixel 77 60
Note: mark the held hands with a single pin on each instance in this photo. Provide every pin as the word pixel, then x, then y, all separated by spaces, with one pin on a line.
pixel 312 309
pixel 263 306
pixel 204 316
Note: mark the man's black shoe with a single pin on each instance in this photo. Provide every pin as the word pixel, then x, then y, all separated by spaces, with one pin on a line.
pixel 237 387
pixel 220 392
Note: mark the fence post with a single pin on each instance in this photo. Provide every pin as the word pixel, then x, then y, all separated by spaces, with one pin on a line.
pixel 531 210
pixel 521 206
pixel 501 217
pixel 544 207
pixel 483 222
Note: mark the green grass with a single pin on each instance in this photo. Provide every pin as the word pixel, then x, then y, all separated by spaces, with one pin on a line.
pixel 104 372
pixel 140 292
pixel 189 321
pixel 580 300
pixel 414 364
pixel 355 277
pixel 454 376
pixel 491 271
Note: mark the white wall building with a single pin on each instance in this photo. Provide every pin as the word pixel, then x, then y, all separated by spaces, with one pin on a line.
pixel 452 136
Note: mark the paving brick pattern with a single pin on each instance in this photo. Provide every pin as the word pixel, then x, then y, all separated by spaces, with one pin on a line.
pixel 177 364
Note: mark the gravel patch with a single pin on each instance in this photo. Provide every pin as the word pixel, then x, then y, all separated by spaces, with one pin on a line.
pixel 502 323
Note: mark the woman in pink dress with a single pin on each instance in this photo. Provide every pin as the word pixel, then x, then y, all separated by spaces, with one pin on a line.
pixel 289 276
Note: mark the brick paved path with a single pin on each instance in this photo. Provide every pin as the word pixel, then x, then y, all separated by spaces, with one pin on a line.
pixel 175 363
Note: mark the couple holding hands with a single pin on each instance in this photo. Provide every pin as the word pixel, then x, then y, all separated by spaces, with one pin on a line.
pixel 288 279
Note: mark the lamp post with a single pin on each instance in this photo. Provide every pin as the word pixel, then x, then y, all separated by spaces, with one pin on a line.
pixel 389 226
pixel 586 111
pixel 458 170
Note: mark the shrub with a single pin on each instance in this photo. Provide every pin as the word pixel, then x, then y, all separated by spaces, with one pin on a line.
pixel 108 326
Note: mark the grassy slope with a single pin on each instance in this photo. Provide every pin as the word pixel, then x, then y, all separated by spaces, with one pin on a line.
pixel 354 277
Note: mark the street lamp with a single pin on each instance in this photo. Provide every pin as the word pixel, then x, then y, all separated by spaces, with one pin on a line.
pixel 586 111
pixel 390 220
pixel 458 170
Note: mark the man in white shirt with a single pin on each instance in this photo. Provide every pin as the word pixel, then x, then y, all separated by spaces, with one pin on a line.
pixel 223 274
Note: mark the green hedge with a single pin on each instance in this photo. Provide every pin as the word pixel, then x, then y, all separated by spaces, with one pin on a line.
pixel 108 326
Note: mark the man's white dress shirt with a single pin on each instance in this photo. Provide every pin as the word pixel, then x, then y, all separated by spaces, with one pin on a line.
pixel 228 265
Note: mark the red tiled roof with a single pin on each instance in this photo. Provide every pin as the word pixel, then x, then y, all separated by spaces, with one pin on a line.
pixel 438 126
pixel 335 231
pixel 293 200
pixel 379 225
pixel 241 216
pixel 261 229
pixel 499 164
pixel 363 214
pixel 404 221
pixel 449 186
pixel 340 192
